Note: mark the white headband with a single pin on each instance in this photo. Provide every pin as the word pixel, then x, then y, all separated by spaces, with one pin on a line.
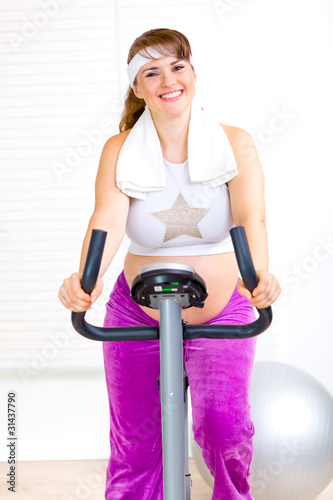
pixel 139 60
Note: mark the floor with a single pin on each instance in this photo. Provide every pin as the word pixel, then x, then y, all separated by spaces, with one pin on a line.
pixel 82 480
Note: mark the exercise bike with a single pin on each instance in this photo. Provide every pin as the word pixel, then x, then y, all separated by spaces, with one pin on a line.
pixel 171 287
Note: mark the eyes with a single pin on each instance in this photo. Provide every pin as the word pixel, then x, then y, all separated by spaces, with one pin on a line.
pixel 177 68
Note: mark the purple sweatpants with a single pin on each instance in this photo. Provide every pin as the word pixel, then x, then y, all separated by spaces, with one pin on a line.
pixel 219 373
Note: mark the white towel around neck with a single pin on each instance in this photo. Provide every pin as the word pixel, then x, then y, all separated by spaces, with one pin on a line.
pixel 140 166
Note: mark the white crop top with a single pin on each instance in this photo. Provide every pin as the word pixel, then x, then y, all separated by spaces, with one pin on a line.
pixel 184 218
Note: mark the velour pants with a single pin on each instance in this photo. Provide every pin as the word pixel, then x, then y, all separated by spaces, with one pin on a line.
pixel 219 373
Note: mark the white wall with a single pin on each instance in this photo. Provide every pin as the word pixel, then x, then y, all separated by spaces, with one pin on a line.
pixel 63 73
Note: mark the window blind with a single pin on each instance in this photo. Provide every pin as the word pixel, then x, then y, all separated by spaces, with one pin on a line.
pixel 62 81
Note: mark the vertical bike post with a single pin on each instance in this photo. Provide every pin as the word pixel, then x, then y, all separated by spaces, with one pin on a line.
pixel 172 398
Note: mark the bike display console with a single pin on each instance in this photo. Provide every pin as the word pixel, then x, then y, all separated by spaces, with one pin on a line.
pixel 165 280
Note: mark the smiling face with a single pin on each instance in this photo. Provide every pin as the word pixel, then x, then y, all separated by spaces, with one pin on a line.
pixel 167 85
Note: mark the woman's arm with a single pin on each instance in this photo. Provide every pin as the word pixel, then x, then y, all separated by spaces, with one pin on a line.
pixel 111 205
pixel 248 208
pixel 110 214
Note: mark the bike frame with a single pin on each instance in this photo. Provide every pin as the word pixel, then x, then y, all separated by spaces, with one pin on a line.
pixel 172 332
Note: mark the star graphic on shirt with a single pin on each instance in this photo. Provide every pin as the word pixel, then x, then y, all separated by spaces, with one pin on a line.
pixel 181 219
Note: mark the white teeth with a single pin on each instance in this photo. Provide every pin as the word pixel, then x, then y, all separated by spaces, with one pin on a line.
pixel 171 95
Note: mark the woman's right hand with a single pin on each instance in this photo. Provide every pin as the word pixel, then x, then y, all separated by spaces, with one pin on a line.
pixel 73 297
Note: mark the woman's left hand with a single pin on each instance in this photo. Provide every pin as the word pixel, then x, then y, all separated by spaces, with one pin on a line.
pixel 265 293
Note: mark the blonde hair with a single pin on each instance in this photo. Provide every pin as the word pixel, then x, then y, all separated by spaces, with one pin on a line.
pixel 164 40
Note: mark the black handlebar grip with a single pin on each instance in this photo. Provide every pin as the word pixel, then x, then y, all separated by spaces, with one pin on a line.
pixel 93 261
pixel 244 258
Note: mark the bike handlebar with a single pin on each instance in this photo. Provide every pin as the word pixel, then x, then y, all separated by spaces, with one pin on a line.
pixel 248 274
pixel 93 261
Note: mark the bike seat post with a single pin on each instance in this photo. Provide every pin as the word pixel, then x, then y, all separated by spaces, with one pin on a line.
pixel 172 398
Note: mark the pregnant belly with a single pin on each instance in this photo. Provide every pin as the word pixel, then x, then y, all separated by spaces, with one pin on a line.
pixel 220 273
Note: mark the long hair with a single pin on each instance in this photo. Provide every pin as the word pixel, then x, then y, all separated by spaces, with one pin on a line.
pixel 167 42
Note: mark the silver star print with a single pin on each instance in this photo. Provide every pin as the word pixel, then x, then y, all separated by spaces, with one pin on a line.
pixel 181 219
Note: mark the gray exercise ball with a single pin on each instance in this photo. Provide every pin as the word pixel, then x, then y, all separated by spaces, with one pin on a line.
pixel 293 417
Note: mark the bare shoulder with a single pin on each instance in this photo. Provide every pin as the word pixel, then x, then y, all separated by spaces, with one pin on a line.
pixel 106 174
pixel 114 144
pixel 241 142
pixel 109 155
